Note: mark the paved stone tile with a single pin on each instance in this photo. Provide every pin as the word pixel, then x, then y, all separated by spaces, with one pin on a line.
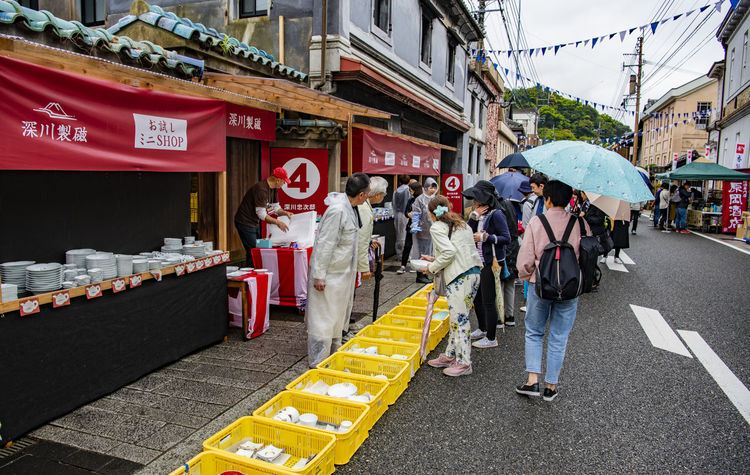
pixel 173 374
pixel 133 429
pixel 78 439
pixel 223 352
pixel 179 418
pixel 89 419
pixel 275 369
pixel 166 437
pixel 150 382
pixel 283 360
pixel 204 392
pixel 183 365
pixel 135 396
pixel 198 408
pixel 235 383
pixel 87 460
pixel 134 453
pixel 50 450
pixel 121 467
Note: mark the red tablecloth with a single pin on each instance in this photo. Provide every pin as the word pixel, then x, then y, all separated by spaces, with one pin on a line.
pixel 256 304
pixel 289 269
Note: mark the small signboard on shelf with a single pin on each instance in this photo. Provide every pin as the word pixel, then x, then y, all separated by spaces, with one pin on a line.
pixel 190 267
pixel 135 280
pixel 28 306
pixel 179 269
pixel 156 274
pixel 60 299
pixel 118 285
pixel 93 291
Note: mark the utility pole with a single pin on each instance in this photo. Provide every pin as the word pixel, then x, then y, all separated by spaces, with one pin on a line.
pixel 638 100
pixel 480 48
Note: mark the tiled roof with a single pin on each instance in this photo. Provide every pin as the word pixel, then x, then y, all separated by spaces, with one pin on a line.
pixel 208 37
pixel 143 53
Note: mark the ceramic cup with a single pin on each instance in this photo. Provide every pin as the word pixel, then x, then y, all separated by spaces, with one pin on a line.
pixel 308 419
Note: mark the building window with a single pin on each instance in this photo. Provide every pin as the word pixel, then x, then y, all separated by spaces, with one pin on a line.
pixel 381 15
pixel 471 158
pixel 480 158
pixel 704 109
pixel 425 42
pixel 473 108
pixel 451 76
pixel 249 8
pixel 92 12
pixel 731 71
pixel 34 4
pixel 743 72
pixel 480 119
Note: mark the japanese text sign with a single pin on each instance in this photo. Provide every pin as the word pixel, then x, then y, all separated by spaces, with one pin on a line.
pixel 735 202
pixel 248 123
pixel 452 188
pixel 55 120
pixel 739 159
pixel 308 171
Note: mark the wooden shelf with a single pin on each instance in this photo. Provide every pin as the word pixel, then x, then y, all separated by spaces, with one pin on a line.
pixel 46 298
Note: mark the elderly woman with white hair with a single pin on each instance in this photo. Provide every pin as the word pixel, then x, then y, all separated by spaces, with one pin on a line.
pixel 378 189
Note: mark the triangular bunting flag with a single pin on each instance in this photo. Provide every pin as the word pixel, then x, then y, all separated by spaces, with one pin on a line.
pixel 509 53
pixel 585 43
pixel 557 48
pixel 687 14
pixel 577 43
pixel 717 6
pixel 612 35
pixel 622 35
pixel 676 16
pixel 531 52
pixel 537 51
pixel 544 50
pixel 632 30
pixel 507 71
pixel 593 41
pixel 703 9
pixel 653 27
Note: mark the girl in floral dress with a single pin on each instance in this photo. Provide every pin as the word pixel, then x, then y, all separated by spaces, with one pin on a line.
pixel 456 256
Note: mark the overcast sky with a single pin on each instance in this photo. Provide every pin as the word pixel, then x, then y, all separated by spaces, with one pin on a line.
pixel 596 74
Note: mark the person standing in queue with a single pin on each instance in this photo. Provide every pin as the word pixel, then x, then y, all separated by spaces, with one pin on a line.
pixel 259 205
pixel 333 270
pixel 424 240
pixel 415 189
pixel 400 199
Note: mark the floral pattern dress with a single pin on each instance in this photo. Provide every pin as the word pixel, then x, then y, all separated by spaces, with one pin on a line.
pixel 460 295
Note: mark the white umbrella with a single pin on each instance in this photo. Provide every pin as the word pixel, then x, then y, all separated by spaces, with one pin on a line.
pixel 612 207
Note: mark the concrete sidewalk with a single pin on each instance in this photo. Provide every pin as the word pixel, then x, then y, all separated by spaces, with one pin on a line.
pixel 157 423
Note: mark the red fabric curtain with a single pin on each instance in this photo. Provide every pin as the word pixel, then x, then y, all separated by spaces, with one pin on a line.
pixel 54 120
pixel 383 154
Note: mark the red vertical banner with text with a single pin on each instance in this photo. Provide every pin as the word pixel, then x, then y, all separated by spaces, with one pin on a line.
pixel 734 203
pixel 307 169
pixel 452 188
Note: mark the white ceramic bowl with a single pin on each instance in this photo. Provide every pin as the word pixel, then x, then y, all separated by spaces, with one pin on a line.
pixel 419 264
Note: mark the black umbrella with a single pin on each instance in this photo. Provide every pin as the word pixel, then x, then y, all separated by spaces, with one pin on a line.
pixel 514 160
pixel 378 277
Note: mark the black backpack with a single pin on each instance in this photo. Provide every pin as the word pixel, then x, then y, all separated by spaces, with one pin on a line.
pixel 558 276
pixel 588 259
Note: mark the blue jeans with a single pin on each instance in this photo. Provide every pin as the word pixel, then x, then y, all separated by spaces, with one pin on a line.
pixel 249 236
pixel 561 316
pixel 656 215
pixel 679 220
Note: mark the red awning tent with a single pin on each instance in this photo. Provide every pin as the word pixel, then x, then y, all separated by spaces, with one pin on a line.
pixel 387 154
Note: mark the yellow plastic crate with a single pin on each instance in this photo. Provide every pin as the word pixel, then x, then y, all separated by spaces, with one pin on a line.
pixel 376 387
pixel 216 463
pixel 409 311
pixel 422 294
pixel 397 372
pixel 421 302
pixel 438 328
pixel 297 442
pixel 330 412
pixel 397 334
pixel 388 348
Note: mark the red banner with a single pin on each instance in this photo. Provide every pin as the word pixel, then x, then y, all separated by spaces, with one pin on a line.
pixel 54 120
pixel 249 123
pixel 452 188
pixel 733 204
pixel 307 169
pixel 387 155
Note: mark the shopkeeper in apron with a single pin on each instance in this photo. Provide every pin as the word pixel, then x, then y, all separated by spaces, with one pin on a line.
pixel 260 204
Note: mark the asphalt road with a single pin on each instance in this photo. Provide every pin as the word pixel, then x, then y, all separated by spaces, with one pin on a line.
pixel 624 405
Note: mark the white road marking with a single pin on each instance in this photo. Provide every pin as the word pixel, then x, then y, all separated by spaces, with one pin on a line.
pixel 626 259
pixel 612 265
pixel 658 330
pixel 724 377
pixel 721 242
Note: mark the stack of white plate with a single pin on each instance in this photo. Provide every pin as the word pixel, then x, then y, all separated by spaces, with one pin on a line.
pixel 97 275
pixel 69 274
pixel 209 245
pixel 15 273
pixel 104 261
pixel 154 264
pixel 68 284
pixel 82 280
pixel 171 261
pixel 172 245
pixel 69 267
pixel 41 278
pixel 189 239
pixel 124 265
pixel 9 292
pixel 195 250
pixel 140 265
pixel 78 256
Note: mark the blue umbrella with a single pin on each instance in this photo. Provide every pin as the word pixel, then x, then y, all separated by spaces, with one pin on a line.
pixel 514 160
pixel 590 168
pixel 507 185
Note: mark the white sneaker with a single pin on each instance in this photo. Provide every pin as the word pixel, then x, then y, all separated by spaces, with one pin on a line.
pixel 523 309
pixel 602 260
pixel 618 260
pixel 401 270
pixel 485 343
pixel 477 334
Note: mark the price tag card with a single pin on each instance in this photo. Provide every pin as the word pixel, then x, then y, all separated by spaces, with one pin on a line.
pixel 217 259
pixel 156 274
pixel 208 262
pixel 61 299
pixel 199 264
pixel 93 291
pixel 118 285
pixel 179 269
pixel 190 266
pixel 225 257
pixel 135 280
pixel 28 306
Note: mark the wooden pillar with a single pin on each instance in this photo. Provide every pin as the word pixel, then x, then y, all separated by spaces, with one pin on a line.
pixel 222 218
pixel 349 146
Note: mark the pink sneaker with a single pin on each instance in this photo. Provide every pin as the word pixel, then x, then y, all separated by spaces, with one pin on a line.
pixel 442 361
pixel 457 369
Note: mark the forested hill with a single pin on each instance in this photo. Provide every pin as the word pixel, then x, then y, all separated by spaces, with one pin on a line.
pixel 566 119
